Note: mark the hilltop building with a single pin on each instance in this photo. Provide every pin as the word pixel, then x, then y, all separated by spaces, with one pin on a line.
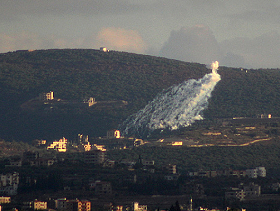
pixel 112 134
pixel 46 96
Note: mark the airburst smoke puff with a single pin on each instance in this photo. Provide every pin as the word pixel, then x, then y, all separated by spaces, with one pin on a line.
pixel 176 107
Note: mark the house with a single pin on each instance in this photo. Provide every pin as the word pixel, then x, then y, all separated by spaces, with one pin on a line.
pixel 60 146
pixel 46 96
pixel 112 134
pixel 254 173
pixel 251 190
pixel 104 49
pixel 235 193
pixel 170 169
pixel 38 205
pixel 137 207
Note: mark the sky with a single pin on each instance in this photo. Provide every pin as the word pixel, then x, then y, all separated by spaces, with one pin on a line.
pixel 239 33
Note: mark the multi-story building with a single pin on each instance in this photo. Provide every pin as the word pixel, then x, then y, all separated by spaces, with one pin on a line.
pixel 102 188
pixel 72 205
pixel 38 205
pixel 60 146
pixel 46 96
pixel 9 183
pixel 94 157
pixel 256 172
pixel 111 134
pixel 5 199
pixel 244 191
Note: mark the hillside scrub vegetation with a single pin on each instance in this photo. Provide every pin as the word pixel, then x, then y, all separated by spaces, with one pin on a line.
pixel 77 74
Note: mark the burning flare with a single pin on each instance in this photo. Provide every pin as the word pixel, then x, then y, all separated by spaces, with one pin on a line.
pixel 176 107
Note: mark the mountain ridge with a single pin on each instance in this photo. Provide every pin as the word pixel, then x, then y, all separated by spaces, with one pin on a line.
pixel 83 73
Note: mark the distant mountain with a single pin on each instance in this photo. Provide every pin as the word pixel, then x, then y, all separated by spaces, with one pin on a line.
pixel 75 75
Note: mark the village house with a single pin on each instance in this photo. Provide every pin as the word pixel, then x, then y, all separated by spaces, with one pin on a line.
pixel 72 205
pixel 5 199
pixel 60 146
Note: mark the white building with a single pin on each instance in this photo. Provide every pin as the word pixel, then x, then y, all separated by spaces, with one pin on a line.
pixel 60 146
pixel 261 171
pixel 256 172
pixel 252 173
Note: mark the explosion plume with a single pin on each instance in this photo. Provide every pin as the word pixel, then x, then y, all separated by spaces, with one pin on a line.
pixel 176 107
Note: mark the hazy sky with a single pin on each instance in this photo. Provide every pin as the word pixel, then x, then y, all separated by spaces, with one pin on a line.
pixel 239 33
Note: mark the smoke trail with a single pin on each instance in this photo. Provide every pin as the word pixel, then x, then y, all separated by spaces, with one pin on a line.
pixel 176 107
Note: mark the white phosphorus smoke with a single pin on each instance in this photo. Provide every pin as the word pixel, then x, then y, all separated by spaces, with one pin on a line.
pixel 176 107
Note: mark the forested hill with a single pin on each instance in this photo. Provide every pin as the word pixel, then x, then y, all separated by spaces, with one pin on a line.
pixel 77 74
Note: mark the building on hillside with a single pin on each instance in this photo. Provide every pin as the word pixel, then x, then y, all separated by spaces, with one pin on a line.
pixel 60 146
pixel 44 162
pixel 38 142
pixel 251 190
pixel 261 171
pixel 102 188
pixel 5 199
pixel 170 169
pixel 235 193
pixel 9 183
pixel 30 156
pixel 38 205
pixel 112 134
pixel 46 96
pixel 15 162
pixel 137 207
pixel 60 204
pixel 256 172
pixel 104 49
pixel 94 157
pixel 243 191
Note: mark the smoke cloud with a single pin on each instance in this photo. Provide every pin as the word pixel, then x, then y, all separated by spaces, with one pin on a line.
pixel 195 44
pixel 176 107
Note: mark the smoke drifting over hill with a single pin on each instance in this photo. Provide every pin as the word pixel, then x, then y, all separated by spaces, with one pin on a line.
pixel 176 107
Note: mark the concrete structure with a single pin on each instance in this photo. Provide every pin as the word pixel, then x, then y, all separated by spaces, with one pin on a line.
pixel 112 134
pixel 5 199
pixel 104 49
pixel 235 193
pixel 46 96
pixel 102 188
pixel 254 173
pixel 38 205
pixel 60 146
pixel 243 191
pixel 9 183
pixel 171 169
pixel 137 207
pixel 94 157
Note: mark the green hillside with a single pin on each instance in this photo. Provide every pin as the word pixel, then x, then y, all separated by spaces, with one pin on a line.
pixel 75 75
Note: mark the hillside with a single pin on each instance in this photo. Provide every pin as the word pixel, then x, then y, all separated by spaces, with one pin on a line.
pixel 75 75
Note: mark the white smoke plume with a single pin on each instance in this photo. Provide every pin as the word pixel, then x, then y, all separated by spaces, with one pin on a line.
pixel 176 107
